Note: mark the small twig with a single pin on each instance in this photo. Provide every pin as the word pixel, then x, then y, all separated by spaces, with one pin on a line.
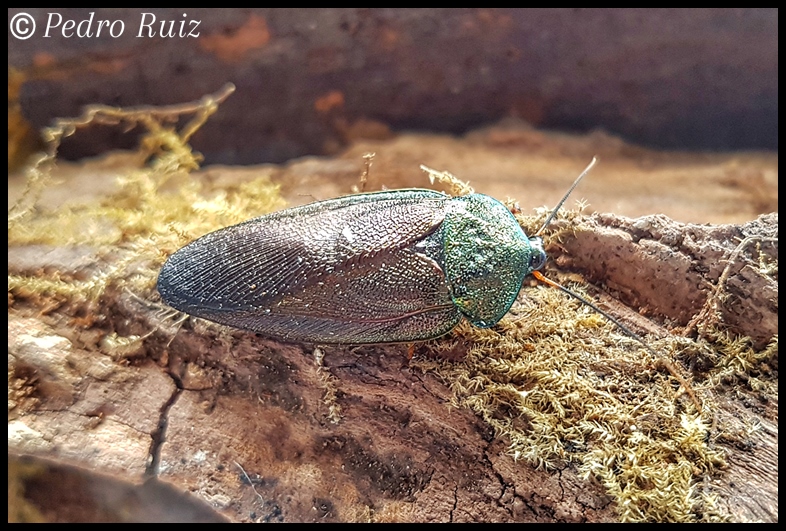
pixel 711 306
pixel 261 499
pixel 150 116
pixel 105 114
pixel 368 159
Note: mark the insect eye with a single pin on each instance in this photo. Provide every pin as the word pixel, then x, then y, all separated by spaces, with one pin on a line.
pixel 538 260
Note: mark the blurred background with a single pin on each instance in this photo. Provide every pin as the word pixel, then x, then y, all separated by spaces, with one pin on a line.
pixel 310 81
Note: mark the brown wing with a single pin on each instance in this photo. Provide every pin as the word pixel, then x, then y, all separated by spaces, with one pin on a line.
pixel 359 269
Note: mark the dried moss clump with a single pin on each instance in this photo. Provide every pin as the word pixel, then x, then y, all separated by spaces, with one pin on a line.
pixel 563 386
pixel 133 230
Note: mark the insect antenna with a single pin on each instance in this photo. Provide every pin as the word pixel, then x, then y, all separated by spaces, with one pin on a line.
pixel 565 197
pixel 627 331
pixel 538 275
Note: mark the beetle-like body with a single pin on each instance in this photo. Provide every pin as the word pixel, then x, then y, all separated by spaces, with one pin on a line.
pixel 382 267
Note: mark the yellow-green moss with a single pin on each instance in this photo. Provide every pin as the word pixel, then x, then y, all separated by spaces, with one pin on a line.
pixel 139 226
pixel 562 386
